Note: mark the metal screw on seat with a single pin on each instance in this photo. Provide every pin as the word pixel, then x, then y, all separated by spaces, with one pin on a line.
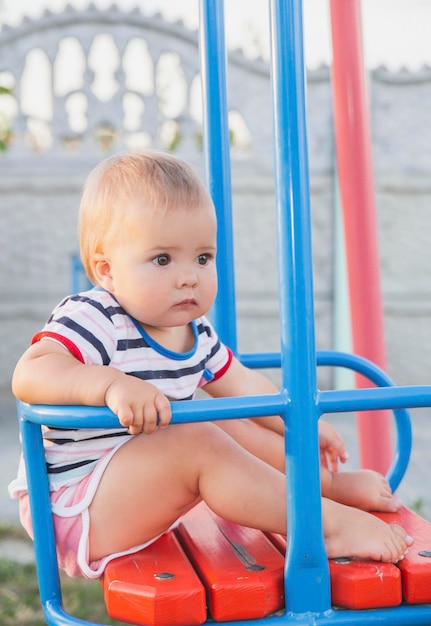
pixel 164 576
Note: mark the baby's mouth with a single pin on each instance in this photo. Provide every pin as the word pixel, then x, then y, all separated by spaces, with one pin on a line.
pixel 186 302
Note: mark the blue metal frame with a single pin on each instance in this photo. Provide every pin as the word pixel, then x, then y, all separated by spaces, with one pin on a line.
pixel 79 280
pixel 299 401
pixel 32 417
pixel 216 145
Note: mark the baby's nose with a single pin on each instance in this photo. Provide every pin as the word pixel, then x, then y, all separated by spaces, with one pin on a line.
pixel 187 278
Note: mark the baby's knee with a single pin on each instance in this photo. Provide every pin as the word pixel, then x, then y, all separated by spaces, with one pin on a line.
pixel 207 437
pixel 198 432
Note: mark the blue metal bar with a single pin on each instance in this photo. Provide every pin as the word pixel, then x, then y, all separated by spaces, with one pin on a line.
pixel 307 585
pixel 55 615
pixel 374 373
pixel 216 145
pixel 374 398
pixel 359 364
pixel 237 407
pixel 405 615
pixel 79 279
pixel 186 411
pixel 43 528
pixel 44 542
pixel 261 359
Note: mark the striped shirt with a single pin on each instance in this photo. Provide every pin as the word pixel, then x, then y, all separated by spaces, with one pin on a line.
pixel 97 330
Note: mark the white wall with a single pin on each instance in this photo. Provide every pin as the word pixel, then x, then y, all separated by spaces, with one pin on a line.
pixel 40 192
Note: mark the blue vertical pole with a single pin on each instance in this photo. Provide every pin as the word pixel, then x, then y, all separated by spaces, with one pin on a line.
pixel 307 576
pixel 44 541
pixel 217 160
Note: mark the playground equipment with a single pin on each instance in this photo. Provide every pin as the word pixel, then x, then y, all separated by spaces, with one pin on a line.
pixel 306 583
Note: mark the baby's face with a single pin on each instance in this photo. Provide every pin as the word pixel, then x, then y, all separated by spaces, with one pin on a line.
pixel 162 266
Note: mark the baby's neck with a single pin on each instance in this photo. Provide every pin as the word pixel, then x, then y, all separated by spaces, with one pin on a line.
pixel 176 339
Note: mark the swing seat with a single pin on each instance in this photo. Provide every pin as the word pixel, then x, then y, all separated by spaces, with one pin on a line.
pixel 238 573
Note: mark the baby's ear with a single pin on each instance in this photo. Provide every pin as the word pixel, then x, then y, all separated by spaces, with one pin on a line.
pixel 102 271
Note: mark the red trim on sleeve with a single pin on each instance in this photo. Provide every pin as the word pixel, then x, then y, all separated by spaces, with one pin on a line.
pixel 69 345
pixel 225 367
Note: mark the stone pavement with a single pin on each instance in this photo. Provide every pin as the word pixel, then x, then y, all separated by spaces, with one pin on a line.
pixel 415 490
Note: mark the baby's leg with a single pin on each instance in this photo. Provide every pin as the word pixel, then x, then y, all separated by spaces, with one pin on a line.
pixel 154 479
pixel 364 489
pixel 351 532
pixel 263 443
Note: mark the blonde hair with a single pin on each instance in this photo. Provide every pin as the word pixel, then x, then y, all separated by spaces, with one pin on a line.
pixel 160 180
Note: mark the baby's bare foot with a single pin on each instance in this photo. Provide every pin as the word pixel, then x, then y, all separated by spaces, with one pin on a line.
pixel 357 534
pixel 363 489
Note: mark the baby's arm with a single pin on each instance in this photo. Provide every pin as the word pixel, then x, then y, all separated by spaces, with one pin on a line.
pixel 48 373
pixel 239 380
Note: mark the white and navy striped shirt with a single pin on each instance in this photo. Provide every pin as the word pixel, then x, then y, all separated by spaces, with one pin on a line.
pixel 97 330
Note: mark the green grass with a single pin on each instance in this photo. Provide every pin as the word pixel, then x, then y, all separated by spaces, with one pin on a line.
pixel 419 506
pixel 19 595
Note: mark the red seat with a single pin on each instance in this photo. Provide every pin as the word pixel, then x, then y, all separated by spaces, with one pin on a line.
pixel 238 573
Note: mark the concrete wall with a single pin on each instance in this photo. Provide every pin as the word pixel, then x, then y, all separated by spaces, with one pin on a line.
pixel 40 190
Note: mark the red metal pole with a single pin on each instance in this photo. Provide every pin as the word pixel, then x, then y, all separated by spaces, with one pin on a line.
pixel 353 147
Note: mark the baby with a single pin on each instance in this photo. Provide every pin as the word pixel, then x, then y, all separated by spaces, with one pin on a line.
pixel 139 340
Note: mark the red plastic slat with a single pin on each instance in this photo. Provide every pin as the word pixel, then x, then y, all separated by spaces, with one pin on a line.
pixel 155 587
pixel 357 584
pixel 242 570
pixel 364 584
pixel 416 566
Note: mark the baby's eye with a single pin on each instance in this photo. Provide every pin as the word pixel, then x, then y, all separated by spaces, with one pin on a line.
pixel 162 259
pixel 204 259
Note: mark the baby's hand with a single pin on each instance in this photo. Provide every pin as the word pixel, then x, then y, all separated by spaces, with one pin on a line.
pixel 139 406
pixel 332 446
